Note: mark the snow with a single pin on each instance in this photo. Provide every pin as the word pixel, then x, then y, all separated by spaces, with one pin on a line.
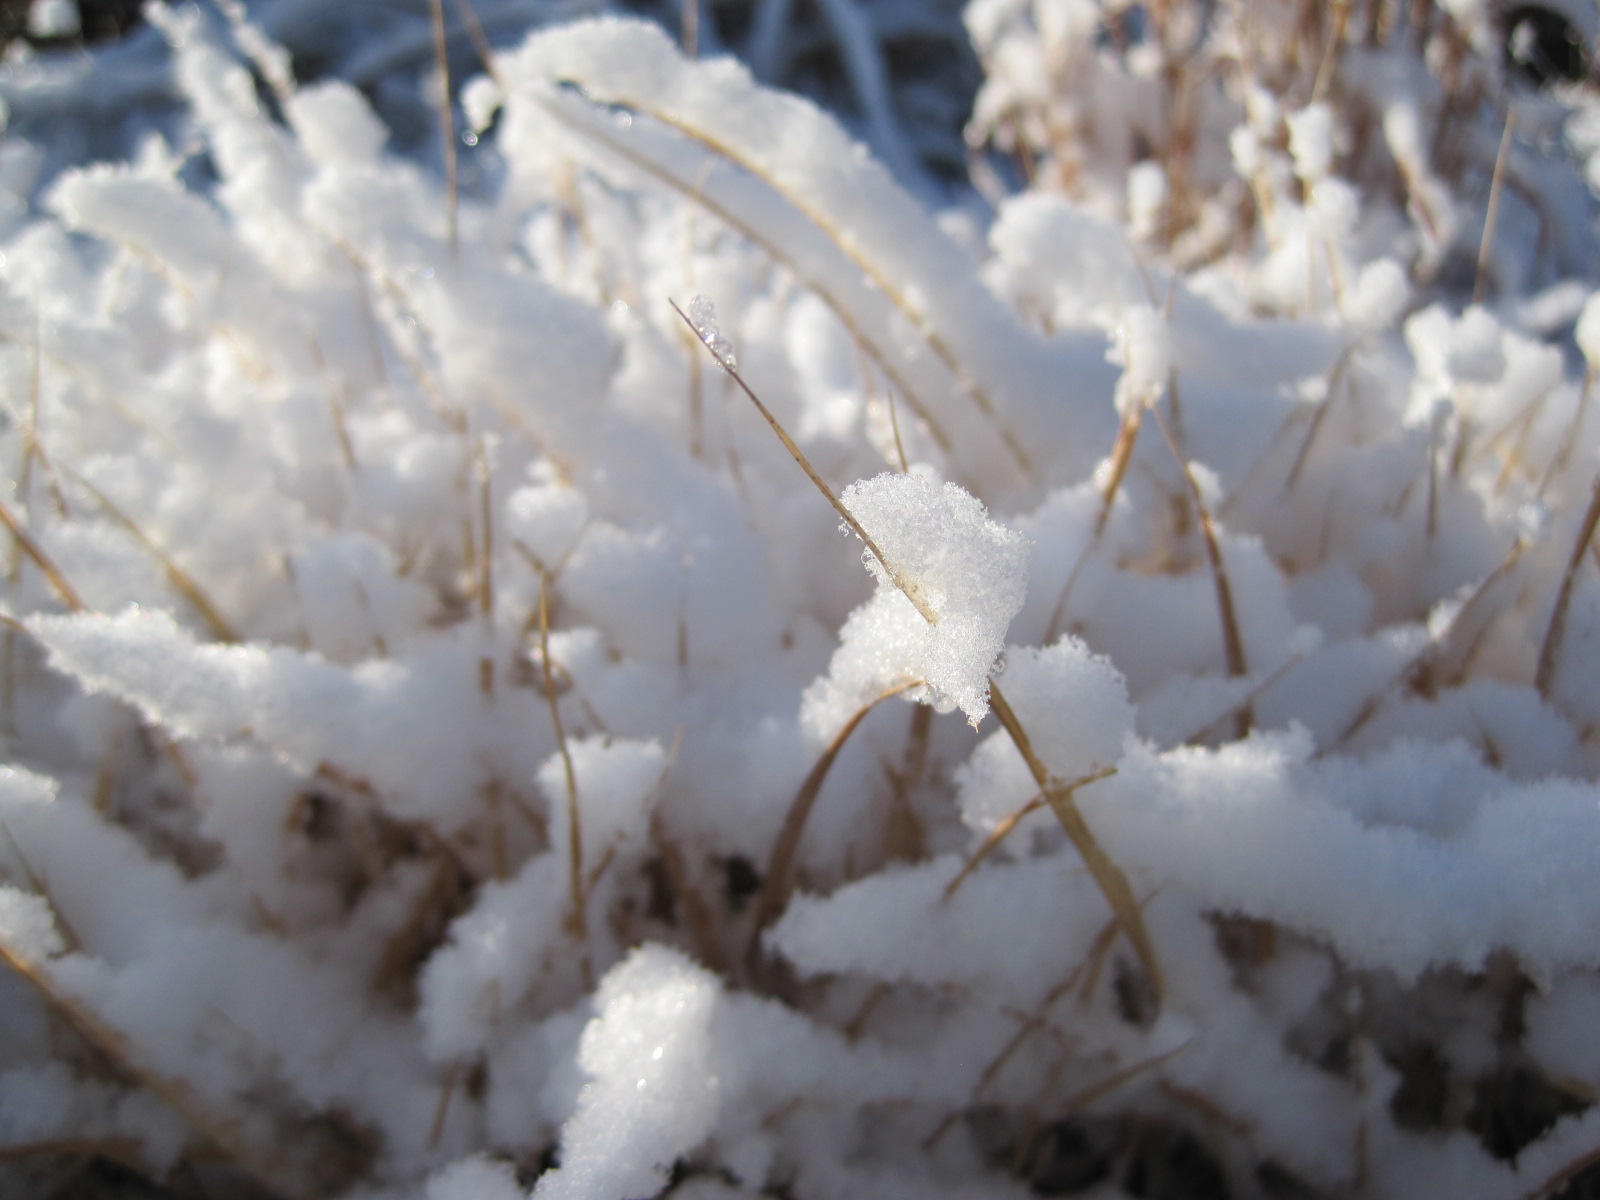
pixel 962 573
pixel 415 647
pixel 652 1095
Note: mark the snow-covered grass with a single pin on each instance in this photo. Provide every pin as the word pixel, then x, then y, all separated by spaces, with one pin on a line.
pixel 454 750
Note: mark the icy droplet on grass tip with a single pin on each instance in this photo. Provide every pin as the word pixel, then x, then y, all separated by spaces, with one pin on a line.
pixel 702 315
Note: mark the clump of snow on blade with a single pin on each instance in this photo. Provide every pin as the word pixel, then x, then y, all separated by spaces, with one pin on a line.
pixel 968 571
pixel 703 316
pixel 1074 705
pixel 651 1095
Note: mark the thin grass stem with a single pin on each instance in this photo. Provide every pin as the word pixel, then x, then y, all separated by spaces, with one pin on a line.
pixel 1232 640
pixel 820 289
pixel 1108 876
pixel 1550 649
pixel 1496 184
pixel 800 458
pixel 26 543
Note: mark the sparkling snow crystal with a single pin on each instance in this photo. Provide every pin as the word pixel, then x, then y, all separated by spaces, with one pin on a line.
pixel 703 316
pixel 966 570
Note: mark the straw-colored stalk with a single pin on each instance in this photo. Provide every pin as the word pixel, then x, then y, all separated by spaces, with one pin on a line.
pixel 1109 877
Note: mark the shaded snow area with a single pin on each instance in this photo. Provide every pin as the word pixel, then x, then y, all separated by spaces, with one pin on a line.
pixel 695 652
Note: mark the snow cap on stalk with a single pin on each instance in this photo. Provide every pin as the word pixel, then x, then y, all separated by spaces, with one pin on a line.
pixel 949 562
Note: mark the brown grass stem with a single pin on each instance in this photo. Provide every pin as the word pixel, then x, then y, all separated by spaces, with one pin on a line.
pixel 1443 662
pixel 880 280
pixel 817 287
pixel 1563 454
pixel 1339 21
pixel 1492 211
pixel 774 892
pixel 197 1112
pixel 479 39
pixel 690 30
pixel 1028 1024
pixel 1232 640
pixel 804 463
pixel 1081 1100
pixel 1319 414
pixel 182 582
pixel 1550 649
pixel 579 898
pixel 1244 707
pixel 1003 829
pixel 447 128
pixel 1564 1175
pixel 1108 877
pixel 1121 457
pixel 26 543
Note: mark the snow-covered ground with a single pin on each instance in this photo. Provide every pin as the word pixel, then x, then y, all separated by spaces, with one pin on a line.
pixel 700 657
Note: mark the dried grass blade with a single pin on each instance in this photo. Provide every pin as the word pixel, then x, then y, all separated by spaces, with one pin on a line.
pixel 1232 641
pixel 447 127
pixel 1108 877
pixel 1444 660
pixel 1121 456
pixel 775 886
pixel 1496 185
pixel 1564 1176
pixel 27 544
pixel 1335 378
pixel 1111 1083
pixel 1550 648
pixel 175 1093
pixel 696 194
pixel 182 582
pixel 881 281
pixel 799 457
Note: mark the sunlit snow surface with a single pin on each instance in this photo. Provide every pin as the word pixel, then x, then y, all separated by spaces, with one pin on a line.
pixel 451 750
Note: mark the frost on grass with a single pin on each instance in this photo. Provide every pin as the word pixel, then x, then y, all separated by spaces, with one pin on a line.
pixel 414 649
pixel 703 316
